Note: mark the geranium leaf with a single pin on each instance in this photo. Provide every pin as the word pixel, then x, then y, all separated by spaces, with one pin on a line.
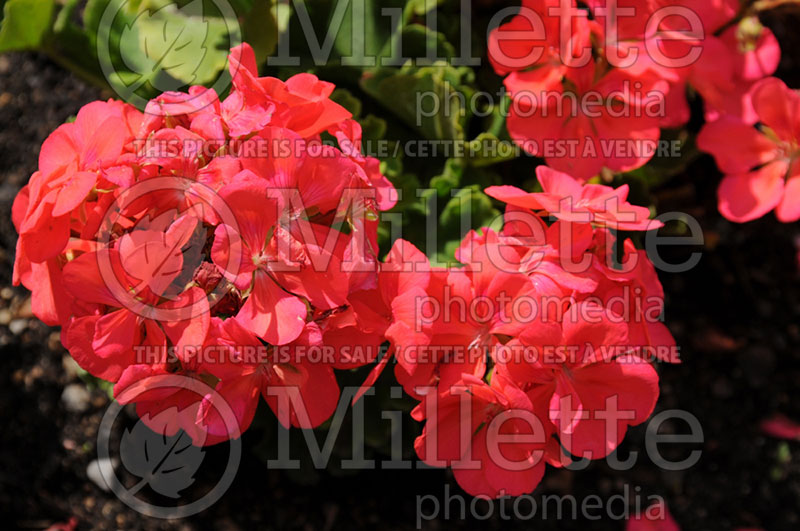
pixel 25 23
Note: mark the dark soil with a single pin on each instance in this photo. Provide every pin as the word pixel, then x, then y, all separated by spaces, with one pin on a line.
pixel 736 316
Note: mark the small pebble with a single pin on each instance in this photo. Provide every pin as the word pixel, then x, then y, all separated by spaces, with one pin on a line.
pixel 5 317
pixel 98 469
pixel 76 398
pixel 70 366
pixel 6 293
pixel 25 309
pixel 17 326
pixel 54 341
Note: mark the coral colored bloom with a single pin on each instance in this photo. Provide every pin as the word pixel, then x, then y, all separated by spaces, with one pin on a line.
pixel 593 387
pixel 213 251
pixel 105 344
pixel 73 159
pixel 490 435
pixel 731 64
pixel 391 308
pixel 568 106
pixel 781 427
pixel 262 252
pixel 761 165
pixel 167 409
pixel 721 63
pixel 568 199
pixel 301 103
pixel 253 270
pixel 300 391
pixel 635 294
pixel 464 315
pixel 537 254
pixel 654 518
pixel 541 51
pixel 589 122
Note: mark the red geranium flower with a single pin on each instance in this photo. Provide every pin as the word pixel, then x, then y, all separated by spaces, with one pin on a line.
pixel 586 373
pixel 568 199
pixel 496 444
pixel 761 166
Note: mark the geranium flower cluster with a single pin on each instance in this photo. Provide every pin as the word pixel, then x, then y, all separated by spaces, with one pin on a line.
pixel 528 353
pixel 592 87
pixel 761 163
pixel 207 226
pixel 223 242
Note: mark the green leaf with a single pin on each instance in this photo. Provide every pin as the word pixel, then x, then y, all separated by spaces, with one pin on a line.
pixel 173 41
pixel 664 166
pixel 151 46
pixel 429 99
pixel 93 382
pixel 449 179
pixel 408 184
pixel 357 43
pixel 25 24
pixel 448 256
pixel 372 128
pixel 487 149
pixel 420 7
pixel 260 29
pixel 346 99
pixel 470 208
pixel 393 167
pixel 95 9
pixel 418 40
